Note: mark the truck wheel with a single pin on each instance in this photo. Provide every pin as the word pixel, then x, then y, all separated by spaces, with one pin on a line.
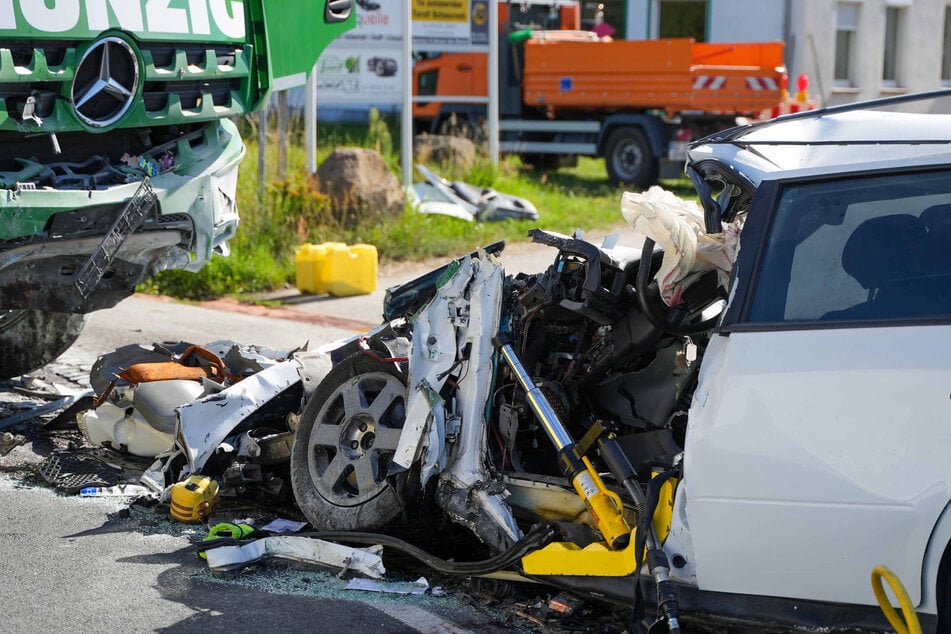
pixel 343 446
pixel 29 339
pixel 629 158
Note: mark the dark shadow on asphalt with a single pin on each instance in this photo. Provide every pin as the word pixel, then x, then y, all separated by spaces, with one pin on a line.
pixel 224 607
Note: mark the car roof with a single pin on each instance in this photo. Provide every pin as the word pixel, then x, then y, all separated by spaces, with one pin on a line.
pixel 855 137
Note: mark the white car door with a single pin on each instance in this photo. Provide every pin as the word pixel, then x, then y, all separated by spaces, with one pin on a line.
pixel 819 438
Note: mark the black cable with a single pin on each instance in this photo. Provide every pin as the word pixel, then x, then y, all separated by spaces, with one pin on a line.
pixel 537 537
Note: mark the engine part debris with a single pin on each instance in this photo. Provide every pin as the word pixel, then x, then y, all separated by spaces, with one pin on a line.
pixel 9 442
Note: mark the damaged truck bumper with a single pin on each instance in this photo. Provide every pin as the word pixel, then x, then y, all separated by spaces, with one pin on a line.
pixel 51 232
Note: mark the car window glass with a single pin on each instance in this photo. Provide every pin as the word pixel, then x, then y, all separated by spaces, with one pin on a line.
pixel 858 249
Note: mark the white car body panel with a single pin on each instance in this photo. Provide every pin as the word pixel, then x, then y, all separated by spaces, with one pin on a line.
pixel 798 436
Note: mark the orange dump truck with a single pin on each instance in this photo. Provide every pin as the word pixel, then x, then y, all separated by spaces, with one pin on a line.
pixel 565 93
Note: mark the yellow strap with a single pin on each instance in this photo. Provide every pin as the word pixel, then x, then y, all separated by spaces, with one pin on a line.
pixel 907 609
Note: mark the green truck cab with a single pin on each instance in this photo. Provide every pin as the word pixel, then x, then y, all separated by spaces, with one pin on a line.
pixel 119 159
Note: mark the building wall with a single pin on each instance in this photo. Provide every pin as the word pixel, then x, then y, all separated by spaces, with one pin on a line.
pixel 812 40
pixel 638 18
pixel 745 20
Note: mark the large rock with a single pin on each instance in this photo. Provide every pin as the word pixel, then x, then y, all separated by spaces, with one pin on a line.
pixel 359 185
pixel 445 150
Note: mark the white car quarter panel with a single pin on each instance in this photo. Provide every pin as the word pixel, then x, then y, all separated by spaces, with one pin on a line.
pixel 813 455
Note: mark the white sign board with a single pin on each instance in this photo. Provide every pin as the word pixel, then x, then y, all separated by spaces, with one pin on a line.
pixel 351 76
pixel 363 66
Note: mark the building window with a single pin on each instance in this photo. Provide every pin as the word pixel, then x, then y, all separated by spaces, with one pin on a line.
pixel 946 48
pixel 893 17
pixel 684 18
pixel 847 20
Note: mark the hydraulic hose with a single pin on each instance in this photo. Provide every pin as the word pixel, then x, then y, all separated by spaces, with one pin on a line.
pixel 539 536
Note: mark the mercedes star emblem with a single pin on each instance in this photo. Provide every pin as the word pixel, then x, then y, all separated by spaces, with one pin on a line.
pixel 106 82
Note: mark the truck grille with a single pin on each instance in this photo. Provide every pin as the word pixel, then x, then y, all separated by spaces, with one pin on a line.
pixel 182 82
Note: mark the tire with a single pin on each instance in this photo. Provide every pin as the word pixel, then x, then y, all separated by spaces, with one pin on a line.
pixel 29 339
pixel 629 159
pixel 943 593
pixel 341 454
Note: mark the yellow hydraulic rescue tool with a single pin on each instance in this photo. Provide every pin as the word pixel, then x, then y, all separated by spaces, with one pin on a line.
pixel 616 555
pixel 619 555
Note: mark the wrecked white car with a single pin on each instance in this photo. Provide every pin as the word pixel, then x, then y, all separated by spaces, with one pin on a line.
pixel 771 390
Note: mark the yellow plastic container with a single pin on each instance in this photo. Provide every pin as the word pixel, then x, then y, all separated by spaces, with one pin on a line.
pixel 351 270
pixel 310 266
pixel 194 499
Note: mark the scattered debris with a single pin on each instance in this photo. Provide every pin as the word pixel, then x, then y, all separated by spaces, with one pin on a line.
pixel 420 586
pixel 71 472
pixel 458 199
pixel 565 604
pixel 119 490
pixel 363 561
pixel 281 525
pixel 33 412
pixel 8 442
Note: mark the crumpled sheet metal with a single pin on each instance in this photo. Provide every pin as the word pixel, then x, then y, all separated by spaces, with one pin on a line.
pixel 210 415
pixel 204 424
pixel 314 366
pixel 677 226
pixel 208 411
pixel 435 342
pixel 361 561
